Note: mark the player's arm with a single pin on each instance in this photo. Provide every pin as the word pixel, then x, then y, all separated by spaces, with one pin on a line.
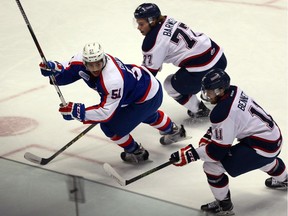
pixel 153 71
pixel 217 141
pixel 64 72
pixel 210 152
pixel 111 92
pixel 214 146
pixel 153 57
pixel 102 112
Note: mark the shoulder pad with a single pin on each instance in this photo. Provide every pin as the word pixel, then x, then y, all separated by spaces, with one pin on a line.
pixel 221 111
pixel 150 39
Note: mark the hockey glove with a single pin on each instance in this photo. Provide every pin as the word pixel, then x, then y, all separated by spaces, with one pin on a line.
pixel 184 156
pixel 73 111
pixel 206 139
pixel 52 68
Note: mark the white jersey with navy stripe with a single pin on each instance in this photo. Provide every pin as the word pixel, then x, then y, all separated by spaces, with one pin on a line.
pixel 238 116
pixel 174 42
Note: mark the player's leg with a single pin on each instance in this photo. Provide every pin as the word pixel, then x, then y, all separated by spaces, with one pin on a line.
pixel 219 184
pixel 184 85
pixel 118 129
pixel 273 166
pixel 170 132
pixel 125 120
pixel 235 165
pixel 183 88
pixel 133 151
pixel 278 171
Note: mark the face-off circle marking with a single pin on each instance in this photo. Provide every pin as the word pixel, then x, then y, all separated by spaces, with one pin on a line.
pixel 16 125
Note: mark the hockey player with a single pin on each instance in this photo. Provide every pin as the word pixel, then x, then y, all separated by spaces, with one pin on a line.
pixel 170 41
pixel 129 95
pixel 235 116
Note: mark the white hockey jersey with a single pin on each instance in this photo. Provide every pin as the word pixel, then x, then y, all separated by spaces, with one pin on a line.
pixel 238 116
pixel 174 42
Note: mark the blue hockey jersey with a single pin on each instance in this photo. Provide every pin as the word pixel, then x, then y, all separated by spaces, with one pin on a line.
pixel 118 85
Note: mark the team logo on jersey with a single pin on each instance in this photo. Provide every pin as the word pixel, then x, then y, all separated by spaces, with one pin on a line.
pixel 84 75
pixel 120 64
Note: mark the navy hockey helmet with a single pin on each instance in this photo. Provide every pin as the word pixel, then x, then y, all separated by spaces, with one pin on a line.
pixel 147 11
pixel 215 79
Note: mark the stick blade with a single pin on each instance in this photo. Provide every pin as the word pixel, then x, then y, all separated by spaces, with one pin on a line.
pixel 112 172
pixel 32 158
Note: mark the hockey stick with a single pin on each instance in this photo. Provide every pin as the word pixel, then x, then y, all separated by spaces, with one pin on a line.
pixel 43 161
pixel 29 156
pixel 112 172
pixel 53 80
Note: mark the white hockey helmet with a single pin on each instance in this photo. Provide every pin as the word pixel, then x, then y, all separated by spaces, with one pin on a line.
pixel 93 52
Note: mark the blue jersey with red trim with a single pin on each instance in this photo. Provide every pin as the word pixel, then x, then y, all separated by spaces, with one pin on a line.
pixel 118 85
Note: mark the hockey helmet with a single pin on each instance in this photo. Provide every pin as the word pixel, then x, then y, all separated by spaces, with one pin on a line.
pixel 93 52
pixel 215 79
pixel 147 11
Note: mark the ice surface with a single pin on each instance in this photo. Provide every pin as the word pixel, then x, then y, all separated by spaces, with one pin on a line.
pixel 253 34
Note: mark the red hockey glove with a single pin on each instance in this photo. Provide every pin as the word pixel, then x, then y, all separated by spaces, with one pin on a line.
pixel 184 156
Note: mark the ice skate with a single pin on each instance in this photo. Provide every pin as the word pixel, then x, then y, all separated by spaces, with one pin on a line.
pixel 176 135
pixel 274 184
pixel 140 154
pixel 203 111
pixel 219 208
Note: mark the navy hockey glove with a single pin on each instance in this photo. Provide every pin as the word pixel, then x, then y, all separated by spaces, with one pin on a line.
pixel 52 68
pixel 73 111
pixel 206 139
pixel 184 156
